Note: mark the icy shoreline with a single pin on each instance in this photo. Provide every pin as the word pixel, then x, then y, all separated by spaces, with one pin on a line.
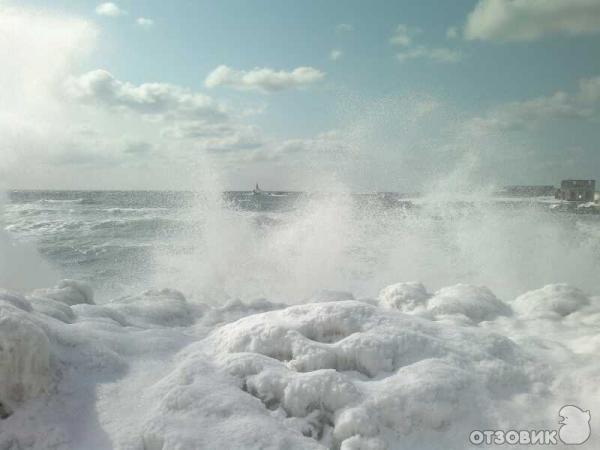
pixel 407 370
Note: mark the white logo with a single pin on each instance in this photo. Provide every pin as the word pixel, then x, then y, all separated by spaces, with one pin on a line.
pixel 575 425
pixel 574 430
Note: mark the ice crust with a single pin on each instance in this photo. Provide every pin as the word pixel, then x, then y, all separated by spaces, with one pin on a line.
pixel 407 370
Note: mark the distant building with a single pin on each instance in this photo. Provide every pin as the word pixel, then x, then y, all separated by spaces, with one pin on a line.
pixel 577 190
pixel 597 197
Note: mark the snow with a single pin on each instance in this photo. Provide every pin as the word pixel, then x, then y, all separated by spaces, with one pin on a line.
pixel 155 308
pixel 69 292
pixel 24 358
pixel 407 370
pixel 554 300
pixel 406 297
pixel 462 301
pixel 475 302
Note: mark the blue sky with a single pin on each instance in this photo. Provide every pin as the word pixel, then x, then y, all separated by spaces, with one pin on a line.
pixel 413 85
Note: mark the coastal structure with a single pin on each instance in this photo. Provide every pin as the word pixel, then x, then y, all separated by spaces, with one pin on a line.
pixel 576 190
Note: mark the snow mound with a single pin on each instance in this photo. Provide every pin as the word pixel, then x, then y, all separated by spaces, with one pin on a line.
pixel 52 308
pixel 344 374
pixel 69 292
pixel 236 309
pixel 551 301
pixel 463 303
pixel 408 371
pixel 24 359
pixel 14 299
pixel 475 302
pixel 406 297
pixel 164 308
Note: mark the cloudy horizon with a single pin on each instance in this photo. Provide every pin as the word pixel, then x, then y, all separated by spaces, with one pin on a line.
pixel 123 95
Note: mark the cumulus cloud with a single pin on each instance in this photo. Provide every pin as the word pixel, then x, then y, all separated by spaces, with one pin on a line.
pixel 179 118
pixel 109 9
pixel 159 100
pixel 335 54
pixel 144 22
pixel 404 37
pixel 584 104
pixel 526 20
pixel 263 79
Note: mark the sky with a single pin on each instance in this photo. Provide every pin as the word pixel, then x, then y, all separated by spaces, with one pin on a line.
pixel 379 95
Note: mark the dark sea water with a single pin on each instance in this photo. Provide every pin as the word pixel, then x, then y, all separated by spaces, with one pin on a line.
pixel 110 238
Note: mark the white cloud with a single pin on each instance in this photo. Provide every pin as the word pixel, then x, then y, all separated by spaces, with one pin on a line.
pixel 109 9
pixel 335 54
pixel 441 55
pixel 144 22
pixel 526 20
pixel 182 115
pixel 581 105
pixel 344 28
pixel 262 79
pixel 403 35
pixel 158 100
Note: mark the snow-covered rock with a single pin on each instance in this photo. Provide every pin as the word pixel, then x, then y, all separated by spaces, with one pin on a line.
pixel 167 308
pixel 475 302
pixel 24 359
pixel 410 370
pixel 69 292
pixel 405 297
pixel 462 303
pixel 14 299
pixel 552 301
pixel 345 371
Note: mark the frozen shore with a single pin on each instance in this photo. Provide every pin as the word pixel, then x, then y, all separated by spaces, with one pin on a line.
pixel 409 369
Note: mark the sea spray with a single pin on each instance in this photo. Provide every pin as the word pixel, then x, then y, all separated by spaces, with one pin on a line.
pixel 21 267
pixel 233 249
pixel 286 248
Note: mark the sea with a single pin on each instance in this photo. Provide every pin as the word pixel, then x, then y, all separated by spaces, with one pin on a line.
pixel 288 245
